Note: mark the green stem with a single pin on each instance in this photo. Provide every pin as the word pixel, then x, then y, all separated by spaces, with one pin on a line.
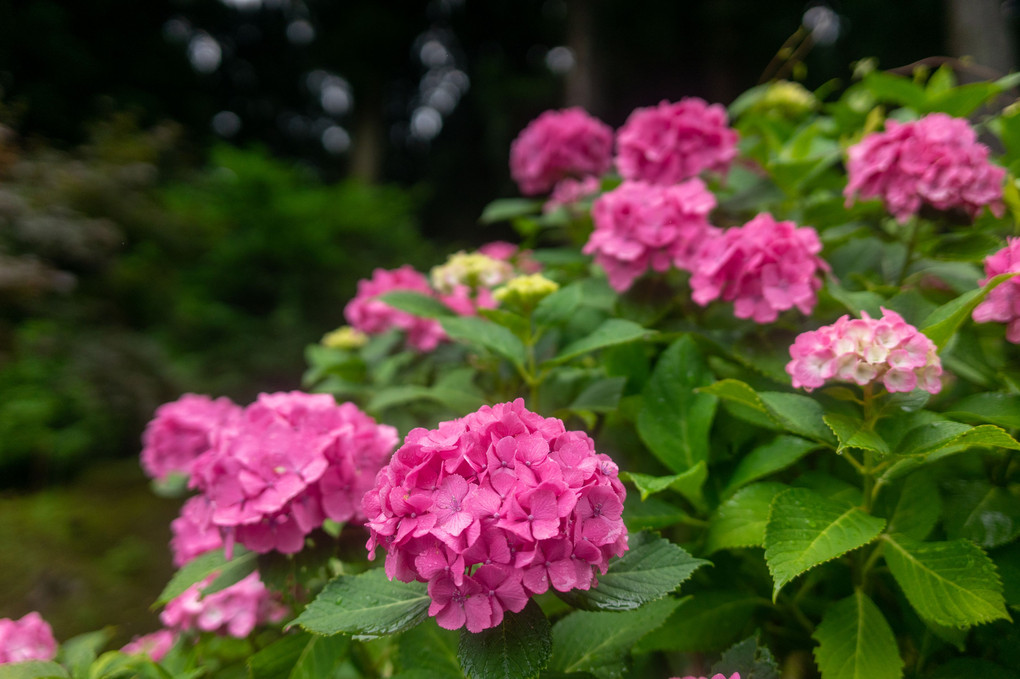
pixel 909 255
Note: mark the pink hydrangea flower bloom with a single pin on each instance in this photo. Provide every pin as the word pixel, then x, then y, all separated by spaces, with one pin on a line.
pixel 155 645
pixel 866 350
pixel 193 531
pixel 763 267
pixel 1003 303
pixel 641 226
pixel 508 252
pixel 671 142
pixel 569 191
pixel 234 611
pixel 29 638
pixel 557 145
pixel 494 508
pixel 936 160
pixel 181 431
pixel 288 462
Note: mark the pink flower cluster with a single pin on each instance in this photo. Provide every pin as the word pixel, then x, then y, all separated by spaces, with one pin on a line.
pixel 181 431
pixel 29 638
pixel 1003 303
pixel 493 508
pixel 671 142
pixel 866 350
pixel 936 160
pixel 508 252
pixel 570 191
pixel 155 645
pixel 289 461
pixel 234 611
pixel 372 316
pixel 763 267
pixel 641 226
pixel 558 145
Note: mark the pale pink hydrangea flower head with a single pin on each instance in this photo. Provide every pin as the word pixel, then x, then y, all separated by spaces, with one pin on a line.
pixel 28 638
pixel 181 431
pixel 155 645
pixel 494 508
pixel 641 227
pixel 865 351
pixel 1003 303
pixel 372 316
pixel 934 161
pixel 764 267
pixel 671 142
pixel 290 461
pixel 557 145
pixel 234 611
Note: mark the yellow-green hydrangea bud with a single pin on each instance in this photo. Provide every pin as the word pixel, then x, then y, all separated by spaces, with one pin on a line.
pixel 788 99
pixel 474 270
pixel 525 291
pixel 344 337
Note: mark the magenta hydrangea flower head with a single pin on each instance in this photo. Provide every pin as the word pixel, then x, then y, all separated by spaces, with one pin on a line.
pixel 494 508
pixel 671 142
pixel 181 431
pixel 934 161
pixel 288 462
pixel 763 267
pixel 557 145
pixel 28 638
pixel 234 611
pixel 641 226
pixel 569 192
pixel 155 645
pixel 1003 303
pixel 865 351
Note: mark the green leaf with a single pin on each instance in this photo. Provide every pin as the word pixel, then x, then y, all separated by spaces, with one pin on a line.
pixel 206 565
pixel 943 323
pixel 650 514
pixel 300 656
pixel 918 507
pixel 749 659
pixel 897 89
pixel 507 208
pixel 674 420
pixel 602 395
pixel 599 642
pixel 652 568
pixel 852 432
pixel 985 514
pixel 769 458
pixel 794 413
pixel 855 301
pixel 612 332
pixel 367 604
pixel 78 653
pixel 740 520
pixel 687 484
pixel 416 304
pixel 972 668
pixel 457 400
pixel 519 648
pixel 488 335
pixel 938 439
pixel 993 408
pixel 806 529
pixel 708 621
pixel 33 669
pixel 430 650
pixel 950 583
pixel 559 306
pixel 856 642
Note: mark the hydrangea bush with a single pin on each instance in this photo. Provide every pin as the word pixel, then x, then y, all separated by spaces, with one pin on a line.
pixel 743 403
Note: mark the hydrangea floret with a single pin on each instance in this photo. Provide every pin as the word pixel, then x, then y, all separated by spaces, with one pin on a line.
pixel 290 461
pixel 182 430
pixel 934 161
pixel 558 145
pixel 671 142
pixel 866 351
pixel 568 192
pixel 344 337
pixel 234 611
pixel 155 645
pixel 524 292
pixel 28 638
pixel 1003 303
pixel 493 508
pixel 472 269
pixel 641 226
pixel 764 267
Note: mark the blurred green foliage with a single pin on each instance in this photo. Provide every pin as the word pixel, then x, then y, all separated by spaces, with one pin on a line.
pixel 128 275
